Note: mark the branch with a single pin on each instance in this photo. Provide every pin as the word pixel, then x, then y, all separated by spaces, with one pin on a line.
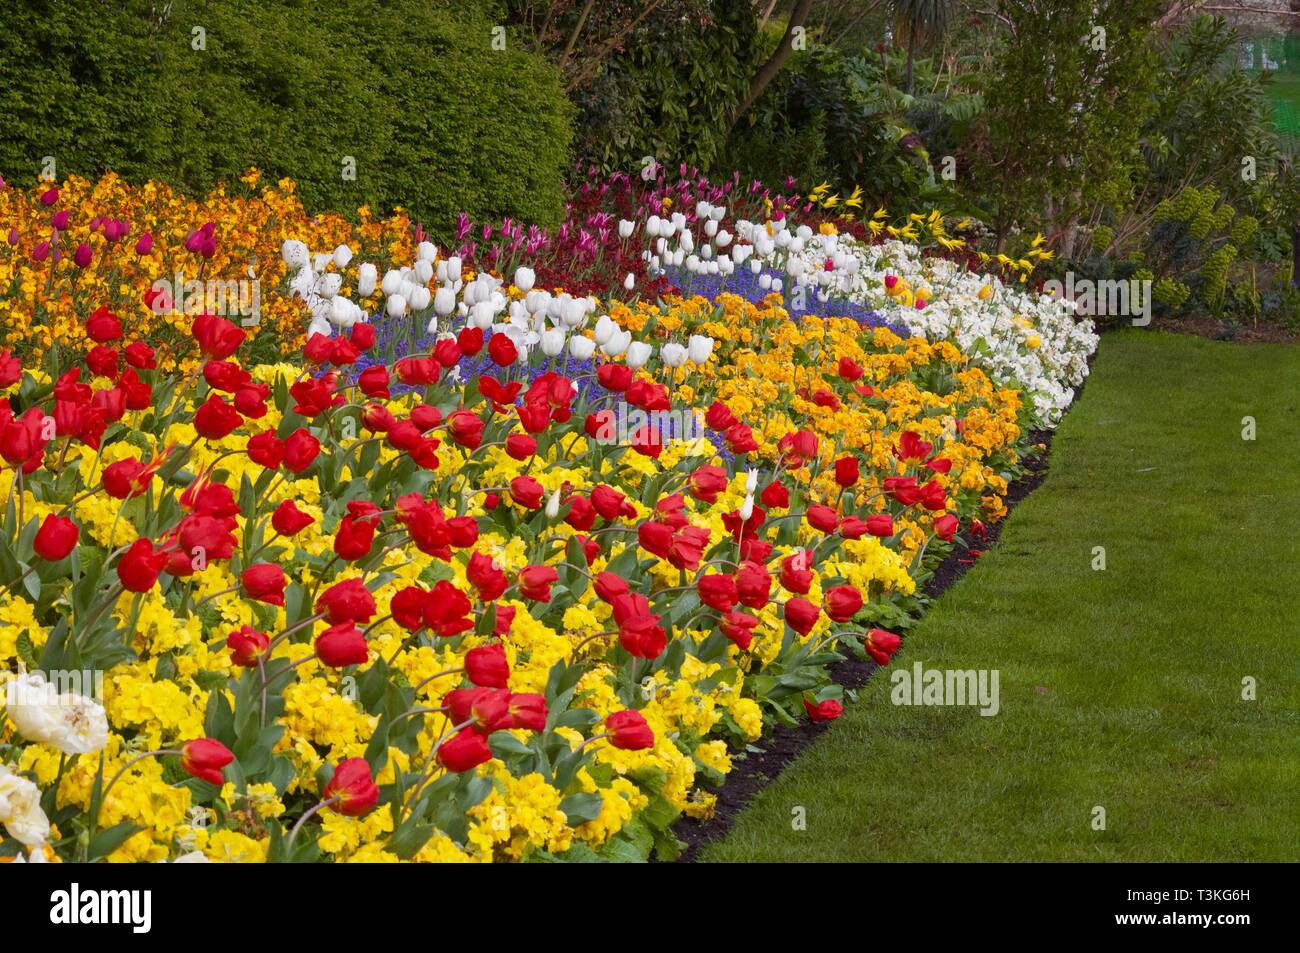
pixel 769 70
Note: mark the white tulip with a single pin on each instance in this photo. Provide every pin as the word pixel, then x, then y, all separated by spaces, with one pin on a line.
pixel 482 315
pixel 20 809
pixel 553 506
pixel 423 271
pixel 673 354
pixel 629 282
pixel 723 238
pixel 294 253
pixel 327 286
pixel 444 301
pixel 367 277
pixel 342 255
pixel 710 228
pixel 625 228
pixel 72 723
pixel 747 508
pixel 391 283
pixel 420 298
pixel 553 342
pixel 617 344
pixel 606 328
pixel 525 278
pixel 582 348
pixel 687 241
pixel 427 251
pixel 638 353
pixel 751 480
pixel 396 306
pixel 699 348
pixel 453 267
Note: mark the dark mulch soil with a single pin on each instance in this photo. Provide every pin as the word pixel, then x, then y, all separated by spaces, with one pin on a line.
pixel 753 772
pixel 1218 330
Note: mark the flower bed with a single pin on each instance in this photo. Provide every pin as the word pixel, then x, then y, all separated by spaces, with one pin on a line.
pixel 512 586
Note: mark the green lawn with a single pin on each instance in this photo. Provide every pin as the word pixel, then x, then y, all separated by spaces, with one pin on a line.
pixel 1120 688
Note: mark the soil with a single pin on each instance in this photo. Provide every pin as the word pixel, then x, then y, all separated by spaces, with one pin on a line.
pixel 755 771
pixel 1218 330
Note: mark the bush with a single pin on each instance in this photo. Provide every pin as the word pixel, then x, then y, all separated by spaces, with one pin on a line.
pixel 436 120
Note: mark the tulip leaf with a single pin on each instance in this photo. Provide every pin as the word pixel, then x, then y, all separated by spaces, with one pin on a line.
pixel 107 841
pixel 580 808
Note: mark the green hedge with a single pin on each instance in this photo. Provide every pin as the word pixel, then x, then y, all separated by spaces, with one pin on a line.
pixel 436 120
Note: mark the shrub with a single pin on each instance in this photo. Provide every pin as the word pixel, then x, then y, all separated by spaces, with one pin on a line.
pixel 436 122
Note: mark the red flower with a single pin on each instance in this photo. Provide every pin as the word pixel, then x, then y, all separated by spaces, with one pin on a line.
pixel 216 419
pixel 346 601
pixel 849 369
pixel 933 496
pixel 528 711
pixel 719 417
pixel 801 615
pixel 880 524
pixel 487 708
pixel 609 587
pixel 487 667
pixel 204 759
pixel 912 447
pixel 502 350
pixel 353 787
pixel 796 576
pixel 138 570
pixel 753 585
pixel 610 503
pixel 520 446
pixel 354 538
pixel 485 576
pixel 639 631
pixel 464 751
pixel 628 730
pixel 842 602
pixel 300 450
pixel 535 582
pixel 103 326
pixel 775 497
pixel 827 710
pixel 140 356
pixel 418 371
pixel 465 428
pixel 822 518
pixel 266 449
pixel 341 645
pixel 707 482
pixel 446 610
pixel 56 538
pixel 881 645
pixel 247 646
pixel 614 377
pixel 407 607
pixel 217 337
pixel 288 520
pixel 846 471
pixel 526 491
pixel 718 592
pixel 945 527
pixel 264 582
pixel 374 382
pixel 739 628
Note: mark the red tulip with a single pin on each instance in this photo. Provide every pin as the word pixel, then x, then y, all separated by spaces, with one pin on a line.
pixel 346 601
pixel 464 751
pixel 264 582
pixel 535 582
pixel 342 645
pixel 204 758
pixel 138 570
pixel 353 787
pixel 487 667
pixel 56 538
pixel 628 730
pixel 288 520
pixel 300 450
pixel 881 645
pixel 827 710
pixel 247 646
pixel 842 602
pixel 846 471
pixel 801 615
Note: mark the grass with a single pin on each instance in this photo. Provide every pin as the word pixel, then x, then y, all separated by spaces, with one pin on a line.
pixel 1121 688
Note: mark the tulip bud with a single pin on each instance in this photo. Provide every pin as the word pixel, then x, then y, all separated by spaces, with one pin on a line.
pixel 525 278
pixel 638 354
pixel 367 278
pixel 582 348
pixel 553 342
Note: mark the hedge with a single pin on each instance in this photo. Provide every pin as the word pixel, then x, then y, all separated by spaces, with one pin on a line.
pixel 436 120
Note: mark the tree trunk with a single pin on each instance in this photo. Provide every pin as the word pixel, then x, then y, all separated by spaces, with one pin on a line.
pixel 769 70
pixel 911 65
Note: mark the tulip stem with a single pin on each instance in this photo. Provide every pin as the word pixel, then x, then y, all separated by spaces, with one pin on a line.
pixel 427 774
pixel 212 595
pixel 293 834
pixel 578 750
pixel 450 671
pixel 30 569
pixel 103 798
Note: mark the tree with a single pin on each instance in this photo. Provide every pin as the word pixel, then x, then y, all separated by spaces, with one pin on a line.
pixel 920 22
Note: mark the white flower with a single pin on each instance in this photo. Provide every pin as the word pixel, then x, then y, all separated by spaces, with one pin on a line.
pixel 606 328
pixel 70 722
pixel 427 251
pixel 444 302
pixel 392 282
pixel 673 354
pixel 294 253
pixel 629 282
pixel 453 268
pixel 423 271
pixel 342 255
pixel 625 228
pixel 751 481
pixel 747 508
pixel 525 278
pixel 699 348
pixel 553 342
pixel 193 857
pixel 420 298
pixel 582 348
pixel 367 278
pixel 396 306
pixel 638 353
pixel 20 809
pixel 553 506
pixel 619 342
